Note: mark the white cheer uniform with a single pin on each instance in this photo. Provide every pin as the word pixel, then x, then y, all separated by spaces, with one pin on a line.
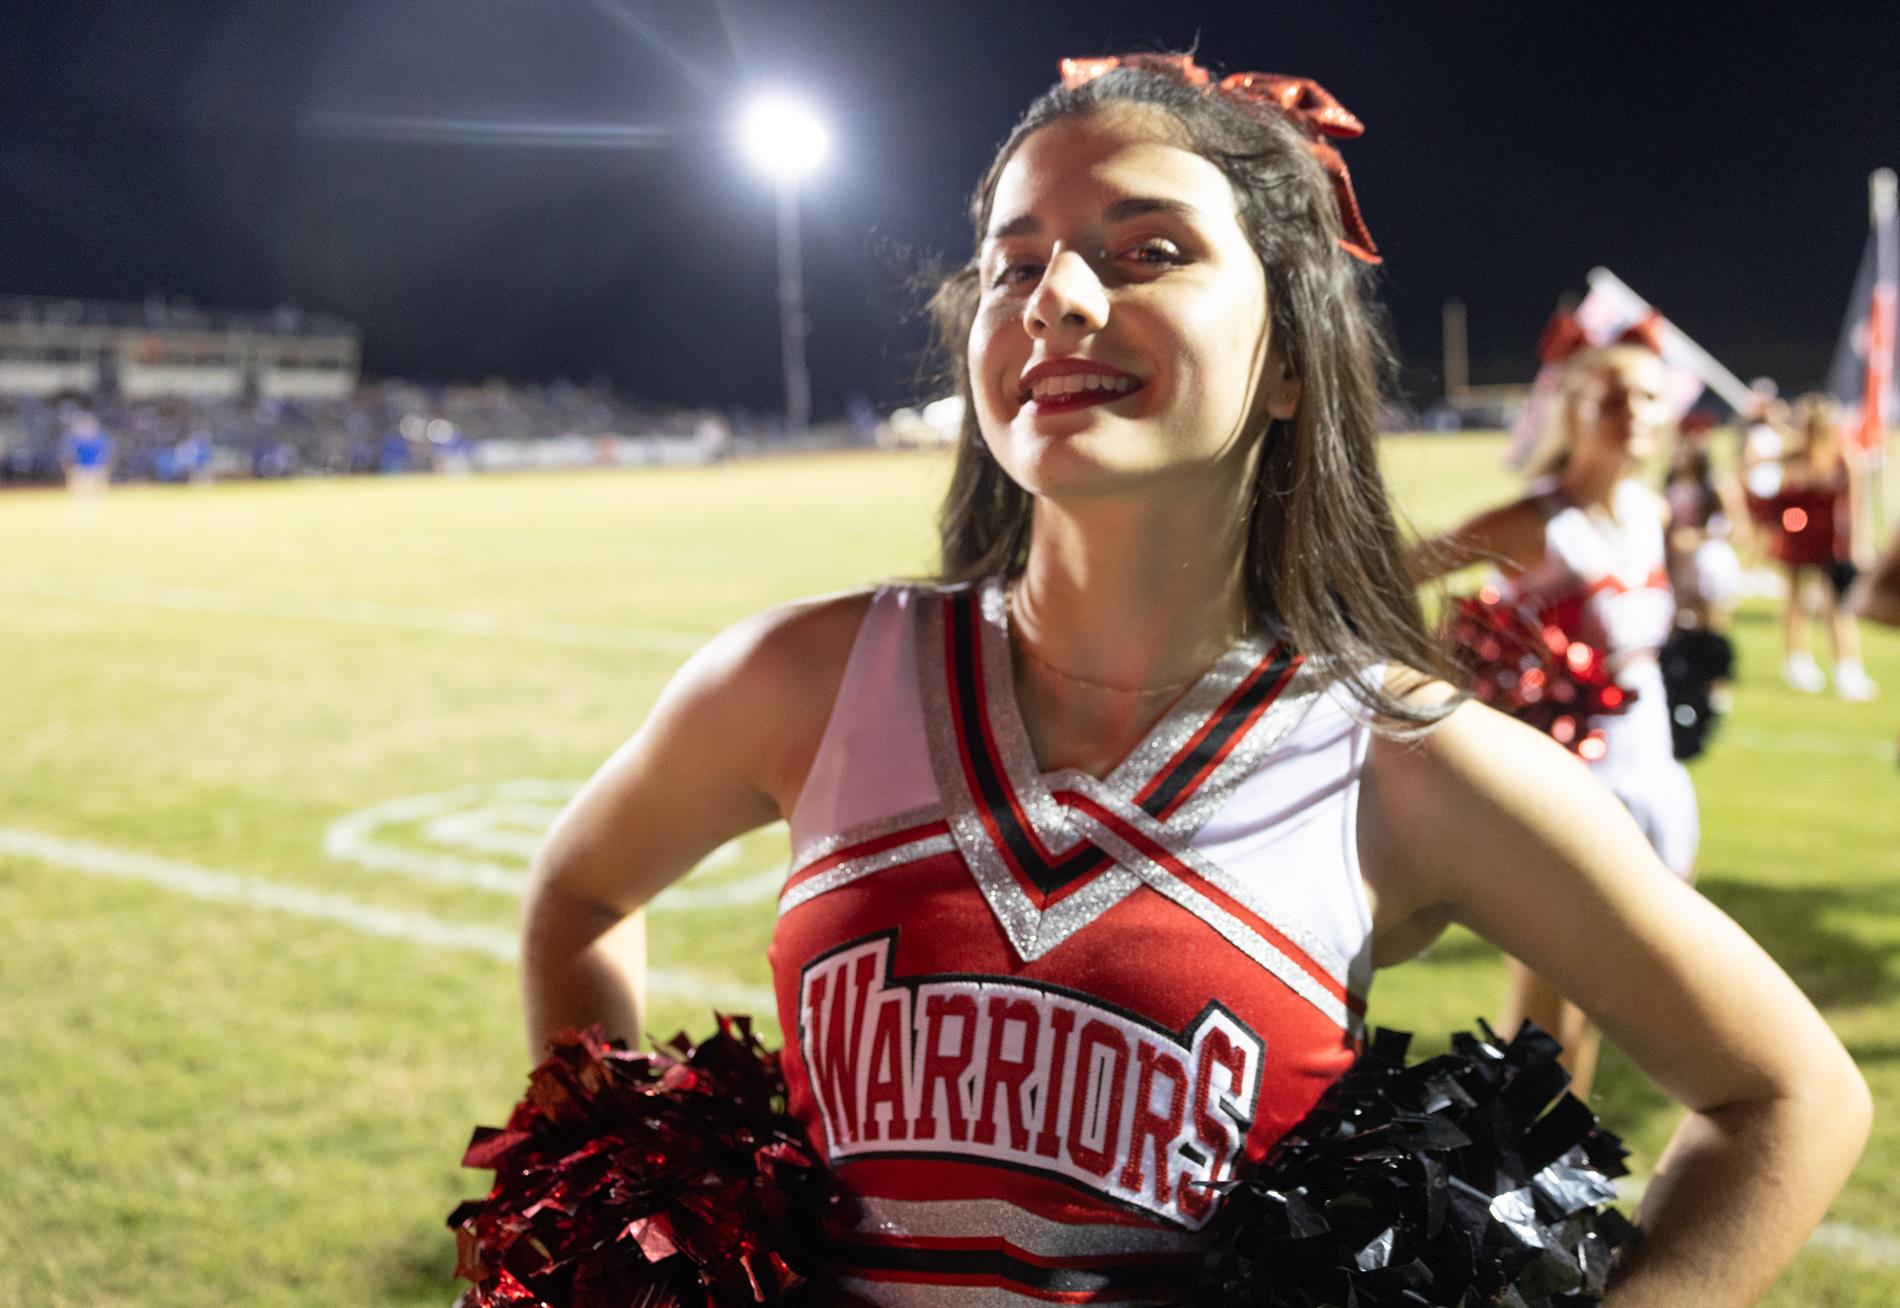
pixel 1603 582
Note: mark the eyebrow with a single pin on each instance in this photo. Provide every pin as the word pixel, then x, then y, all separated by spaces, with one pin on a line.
pixel 1132 206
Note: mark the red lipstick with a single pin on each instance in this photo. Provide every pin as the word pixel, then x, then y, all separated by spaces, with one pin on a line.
pixel 1062 385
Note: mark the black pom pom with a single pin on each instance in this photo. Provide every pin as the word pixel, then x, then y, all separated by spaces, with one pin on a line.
pixel 1452 1183
pixel 1693 660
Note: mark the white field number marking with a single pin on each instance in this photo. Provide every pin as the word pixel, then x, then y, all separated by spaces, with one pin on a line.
pixel 482 837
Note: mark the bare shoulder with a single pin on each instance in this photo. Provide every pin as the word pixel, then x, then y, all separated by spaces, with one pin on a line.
pixel 723 750
pixel 801 641
pixel 1440 807
pixel 1473 763
pixel 775 675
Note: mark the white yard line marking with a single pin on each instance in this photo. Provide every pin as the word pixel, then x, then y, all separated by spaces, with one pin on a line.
pixel 416 928
pixel 1801 742
pixel 367 613
pixel 1867 1246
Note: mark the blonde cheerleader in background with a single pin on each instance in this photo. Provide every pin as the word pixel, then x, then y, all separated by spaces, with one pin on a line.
pixel 1584 548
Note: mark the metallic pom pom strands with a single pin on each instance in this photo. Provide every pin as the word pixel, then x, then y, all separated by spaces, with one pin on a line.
pixel 666 1180
pixel 1533 671
pixel 1446 1184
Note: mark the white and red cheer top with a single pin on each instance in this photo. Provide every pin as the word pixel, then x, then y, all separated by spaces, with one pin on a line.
pixel 1030 1015
pixel 1604 582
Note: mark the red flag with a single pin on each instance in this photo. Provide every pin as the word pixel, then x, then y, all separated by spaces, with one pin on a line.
pixel 1862 378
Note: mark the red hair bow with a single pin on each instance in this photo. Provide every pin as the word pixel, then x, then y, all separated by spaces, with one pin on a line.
pixel 1563 336
pixel 1646 334
pixel 1300 100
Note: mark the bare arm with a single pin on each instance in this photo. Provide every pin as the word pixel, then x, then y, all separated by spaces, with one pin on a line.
pixel 1510 537
pixel 1741 527
pixel 1506 832
pixel 724 751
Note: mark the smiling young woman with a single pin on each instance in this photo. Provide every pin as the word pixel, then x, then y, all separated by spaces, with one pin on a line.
pixel 1098 841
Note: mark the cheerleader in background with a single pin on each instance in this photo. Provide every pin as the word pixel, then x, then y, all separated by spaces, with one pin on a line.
pixel 1705 513
pixel 1814 525
pixel 1762 436
pixel 1585 549
pixel 1705 518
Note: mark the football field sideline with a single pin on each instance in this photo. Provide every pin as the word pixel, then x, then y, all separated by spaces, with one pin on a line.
pixel 279 758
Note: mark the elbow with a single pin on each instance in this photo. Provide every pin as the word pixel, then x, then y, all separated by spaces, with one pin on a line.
pixel 556 917
pixel 1854 1103
pixel 1834 1096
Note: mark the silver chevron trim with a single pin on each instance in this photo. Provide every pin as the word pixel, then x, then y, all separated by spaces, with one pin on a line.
pixel 856 869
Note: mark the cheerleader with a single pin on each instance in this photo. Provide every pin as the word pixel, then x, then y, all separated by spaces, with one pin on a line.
pixel 1813 526
pixel 1704 520
pixel 1099 837
pixel 1584 548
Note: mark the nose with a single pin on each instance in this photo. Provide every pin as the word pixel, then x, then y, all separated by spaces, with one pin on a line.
pixel 1070 298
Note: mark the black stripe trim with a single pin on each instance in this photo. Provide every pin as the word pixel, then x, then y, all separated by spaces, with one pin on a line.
pixel 999 1265
pixel 1216 740
pixel 992 786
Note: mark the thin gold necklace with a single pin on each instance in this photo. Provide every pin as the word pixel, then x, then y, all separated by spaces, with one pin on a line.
pixel 1009 607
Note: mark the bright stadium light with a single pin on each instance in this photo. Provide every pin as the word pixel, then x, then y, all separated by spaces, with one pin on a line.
pixel 783 137
pixel 786 141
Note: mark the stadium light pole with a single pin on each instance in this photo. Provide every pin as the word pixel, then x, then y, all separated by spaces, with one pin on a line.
pixel 787 142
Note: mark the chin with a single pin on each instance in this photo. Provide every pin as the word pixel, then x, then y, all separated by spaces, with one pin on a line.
pixel 1078 466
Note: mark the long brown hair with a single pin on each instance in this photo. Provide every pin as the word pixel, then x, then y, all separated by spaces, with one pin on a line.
pixel 1818 417
pixel 1322 568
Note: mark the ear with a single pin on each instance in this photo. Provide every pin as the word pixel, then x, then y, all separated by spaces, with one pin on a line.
pixel 1283 392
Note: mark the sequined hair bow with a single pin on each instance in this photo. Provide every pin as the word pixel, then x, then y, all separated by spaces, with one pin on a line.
pixel 1646 333
pixel 1300 100
pixel 1564 336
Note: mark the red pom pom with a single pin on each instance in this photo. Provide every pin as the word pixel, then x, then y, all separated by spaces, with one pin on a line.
pixel 657 1180
pixel 1532 670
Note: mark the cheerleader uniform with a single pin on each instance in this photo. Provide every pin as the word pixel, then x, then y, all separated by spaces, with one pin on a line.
pixel 1030 1016
pixel 1812 530
pixel 1605 584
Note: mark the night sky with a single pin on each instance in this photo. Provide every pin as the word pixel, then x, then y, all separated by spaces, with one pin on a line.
pixel 1715 157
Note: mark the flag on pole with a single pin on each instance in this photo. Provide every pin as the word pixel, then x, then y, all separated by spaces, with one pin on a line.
pixel 1610 310
pixel 1863 377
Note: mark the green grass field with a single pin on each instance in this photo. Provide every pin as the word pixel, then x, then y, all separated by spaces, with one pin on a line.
pixel 275 755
